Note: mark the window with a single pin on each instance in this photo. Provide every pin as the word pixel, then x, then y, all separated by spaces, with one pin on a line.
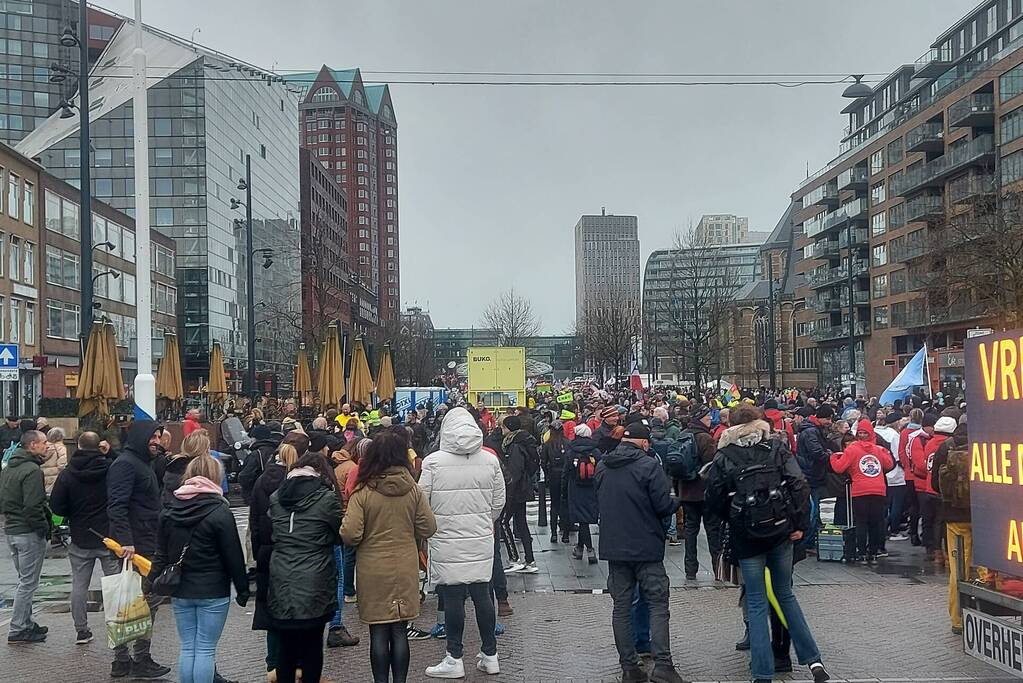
pixel 325 95
pixel 165 216
pixel 878 224
pixel 15 258
pixel 323 151
pixel 104 187
pixel 323 124
pixel 1011 126
pixel 894 151
pixel 1012 167
pixel 13 200
pixel 62 320
pixel 880 317
pixel 879 255
pixel 897 282
pixel 363 246
pixel 28 206
pixel 28 270
pixel 880 286
pixel 1011 83
pixel 877 193
pixel 806 359
pixel 30 324
pixel 877 162
pixel 162 127
pixel 15 335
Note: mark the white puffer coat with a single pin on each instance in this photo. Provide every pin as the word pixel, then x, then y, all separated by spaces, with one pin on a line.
pixel 465 487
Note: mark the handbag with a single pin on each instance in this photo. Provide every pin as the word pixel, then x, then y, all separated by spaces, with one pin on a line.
pixel 170 578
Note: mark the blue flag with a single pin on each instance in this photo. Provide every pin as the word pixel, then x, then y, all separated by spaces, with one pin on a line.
pixel 913 375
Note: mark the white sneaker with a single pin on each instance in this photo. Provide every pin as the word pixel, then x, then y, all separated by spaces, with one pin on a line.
pixel 530 568
pixel 898 537
pixel 487 664
pixel 514 567
pixel 448 668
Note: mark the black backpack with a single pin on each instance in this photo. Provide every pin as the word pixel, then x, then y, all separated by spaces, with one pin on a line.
pixel 682 458
pixel 762 504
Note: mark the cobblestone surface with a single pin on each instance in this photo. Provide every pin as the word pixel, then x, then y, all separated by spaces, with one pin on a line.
pixel 877 633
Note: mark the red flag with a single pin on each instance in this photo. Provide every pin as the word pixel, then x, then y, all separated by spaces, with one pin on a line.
pixel 635 381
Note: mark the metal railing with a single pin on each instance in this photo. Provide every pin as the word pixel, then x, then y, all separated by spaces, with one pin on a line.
pixel 859 236
pixel 977 103
pixel 839 331
pixel 857 208
pixel 970 186
pixel 925 132
pixel 857 175
pixel 919 208
pixel 953 160
pixel 824 248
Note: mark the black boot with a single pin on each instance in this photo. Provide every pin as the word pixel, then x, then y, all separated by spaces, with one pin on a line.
pixel 564 537
pixel 554 537
pixel 743 644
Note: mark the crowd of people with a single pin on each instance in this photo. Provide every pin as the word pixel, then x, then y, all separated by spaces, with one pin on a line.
pixel 359 506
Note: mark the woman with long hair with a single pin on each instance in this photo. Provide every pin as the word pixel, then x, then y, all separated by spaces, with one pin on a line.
pixel 195 444
pixel 262 537
pixel 387 519
pixel 198 531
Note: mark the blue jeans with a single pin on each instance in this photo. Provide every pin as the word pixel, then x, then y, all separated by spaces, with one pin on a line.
pixel 641 621
pixel 339 560
pixel 779 561
pixel 200 622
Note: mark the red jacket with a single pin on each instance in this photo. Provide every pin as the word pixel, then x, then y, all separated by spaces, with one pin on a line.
pixel 777 419
pixel 903 454
pixel 568 429
pixel 190 426
pixel 866 463
pixel 916 444
pixel 927 459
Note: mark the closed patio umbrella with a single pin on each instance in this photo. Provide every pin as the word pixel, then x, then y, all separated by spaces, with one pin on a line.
pixel 385 376
pixel 100 382
pixel 303 378
pixel 168 374
pixel 330 383
pixel 360 384
pixel 216 388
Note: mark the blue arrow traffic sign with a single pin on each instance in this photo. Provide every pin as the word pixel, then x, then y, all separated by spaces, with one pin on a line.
pixel 8 355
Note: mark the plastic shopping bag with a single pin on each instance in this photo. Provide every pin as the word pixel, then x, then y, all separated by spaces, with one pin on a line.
pixel 125 608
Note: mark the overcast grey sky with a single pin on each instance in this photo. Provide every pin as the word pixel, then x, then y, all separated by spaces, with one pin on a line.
pixel 493 179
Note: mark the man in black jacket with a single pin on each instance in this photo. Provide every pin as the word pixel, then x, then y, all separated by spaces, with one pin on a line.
pixel 813 452
pixel 133 510
pixel 634 496
pixel 10 432
pixel 519 449
pixel 80 494
pixel 261 454
pixel 609 419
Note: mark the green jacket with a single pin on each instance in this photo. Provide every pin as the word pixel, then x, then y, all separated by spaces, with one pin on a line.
pixel 23 496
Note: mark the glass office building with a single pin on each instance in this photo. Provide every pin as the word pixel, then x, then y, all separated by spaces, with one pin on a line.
pixel 205 115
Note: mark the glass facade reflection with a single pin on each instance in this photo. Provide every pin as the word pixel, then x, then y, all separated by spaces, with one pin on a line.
pixel 203 120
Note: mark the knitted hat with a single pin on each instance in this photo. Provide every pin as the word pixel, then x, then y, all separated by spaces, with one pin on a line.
pixel 945 425
pixel 608 413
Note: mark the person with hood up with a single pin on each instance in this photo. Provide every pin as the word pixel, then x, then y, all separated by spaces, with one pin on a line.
pixel 519 448
pixel 580 473
pixel 27 526
pixel 633 496
pixel 465 488
pixel 552 460
pixel 306 518
pixel 866 463
pixel 387 518
pixel 197 531
pixel 264 447
pixel 133 509
pixel 896 495
pixel 80 494
pixel 261 533
pixel 746 502
pixel 813 452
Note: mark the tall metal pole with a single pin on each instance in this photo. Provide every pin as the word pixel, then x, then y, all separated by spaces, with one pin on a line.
pixel 145 383
pixel 771 342
pixel 250 285
pixel 852 315
pixel 85 212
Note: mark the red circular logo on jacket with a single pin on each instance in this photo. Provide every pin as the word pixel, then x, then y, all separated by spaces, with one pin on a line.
pixel 870 466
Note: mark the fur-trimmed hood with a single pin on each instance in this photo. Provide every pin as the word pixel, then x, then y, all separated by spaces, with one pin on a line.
pixel 748 434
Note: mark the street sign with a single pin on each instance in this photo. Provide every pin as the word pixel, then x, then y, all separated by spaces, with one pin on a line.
pixel 9 362
pixel 978 332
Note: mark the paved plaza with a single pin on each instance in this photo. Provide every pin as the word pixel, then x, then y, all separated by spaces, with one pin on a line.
pixel 883 624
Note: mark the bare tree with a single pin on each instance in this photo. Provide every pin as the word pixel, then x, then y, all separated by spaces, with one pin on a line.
pixel 609 331
pixel 512 317
pixel 411 342
pixel 970 264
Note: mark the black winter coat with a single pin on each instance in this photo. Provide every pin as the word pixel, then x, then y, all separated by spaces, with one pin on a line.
pixel 516 460
pixel 582 495
pixel 80 494
pixel 603 438
pixel 261 455
pixel 9 435
pixel 553 455
pixel 306 517
pixel 133 492
pixel 261 533
pixel 813 451
pixel 634 496
pixel 214 557
pixel 173 475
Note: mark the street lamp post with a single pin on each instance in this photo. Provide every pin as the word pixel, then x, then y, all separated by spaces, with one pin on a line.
pixel 852 315
pixel 771 342
pixel 250 284
pixel 85 181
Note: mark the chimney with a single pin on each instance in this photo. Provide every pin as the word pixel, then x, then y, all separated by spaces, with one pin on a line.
pixel 603 212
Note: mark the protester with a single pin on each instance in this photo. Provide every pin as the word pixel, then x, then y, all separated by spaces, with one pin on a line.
pixel 633 498
pixel 198 533
pixel 604 434
pixel 192 422
pixel 896 477
pixel 80 495
pixel 133 509
pixel 267 437
pixel 302 596
pixel 927 502
pixel 930 508
pixel 866 462
pixel 553 455
pixel 465 489
pixel 691 493
pixel 195 444
pixel 580 472
pixel 10 432
pixel 762 529
pixel 56 457
pixel 387 518
pixel 27 527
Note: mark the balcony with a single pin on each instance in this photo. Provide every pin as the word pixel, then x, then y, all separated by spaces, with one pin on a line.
pixel 859 237
pixel 826 303
pixel 824 249
pixel 825 277
pixel 957 312
pixel 907 252
pixel 927 137
pixel 923 208
pixel 932 63
pixel 973 111
pixel 854 178
pixel 860 298
pixel 839 332
pixel 813 226
pixel 856 210
pixel 934 173
pixel 970 187
pixel 826 194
